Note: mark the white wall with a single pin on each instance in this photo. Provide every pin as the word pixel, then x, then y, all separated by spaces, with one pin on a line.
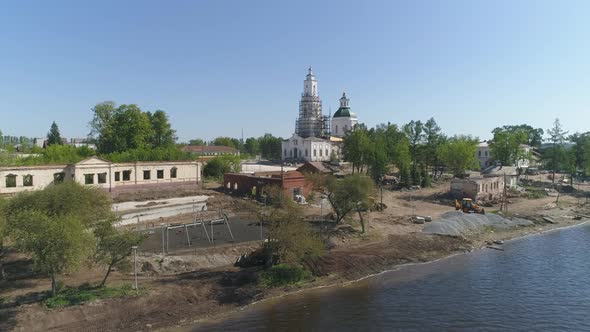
pixel 186 172
pixel 42 177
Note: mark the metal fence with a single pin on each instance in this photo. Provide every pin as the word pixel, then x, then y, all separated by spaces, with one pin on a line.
pixel 165 239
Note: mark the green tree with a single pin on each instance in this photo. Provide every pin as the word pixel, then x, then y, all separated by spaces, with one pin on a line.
pixel 505 147
pixel 226 141
pixel 377 159
pixel 433 140
pixel 132 129
pixel 216 167
pixel 414 131
pixel 581 152
pixel 290 238
pixel 163 134
pixel 270 147
pixel 102 114
pixel 357 148
pixel 52 225
pixel 458 154
pixel 252 146
pixel 534 136
pixel 350 194
pixel 555 154
pixel 53 136
pixel 197 142
pixel 113 247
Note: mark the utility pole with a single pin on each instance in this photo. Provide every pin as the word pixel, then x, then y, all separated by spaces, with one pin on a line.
pixel 504 198
pixel 135 264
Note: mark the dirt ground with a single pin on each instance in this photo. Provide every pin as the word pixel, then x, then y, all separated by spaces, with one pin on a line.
pixel 204 284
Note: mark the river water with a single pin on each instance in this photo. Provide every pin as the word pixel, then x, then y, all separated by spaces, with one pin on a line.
pixel 539 283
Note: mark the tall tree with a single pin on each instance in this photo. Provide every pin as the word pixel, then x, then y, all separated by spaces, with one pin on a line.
pixel 53 136
pixel 252 146
pixel 356 148
pixel 458 154
pixel 132 129
pixel 163 134
pixel 270 146
pixel 414 131
pixel 350 194
pixel 52 225
pixel 506 146
pixel 102 114
pixel 534 136
pixel 556 153
pixel 434 139
pixel 580 151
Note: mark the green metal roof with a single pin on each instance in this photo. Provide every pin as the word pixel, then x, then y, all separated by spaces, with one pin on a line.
pixel 342 112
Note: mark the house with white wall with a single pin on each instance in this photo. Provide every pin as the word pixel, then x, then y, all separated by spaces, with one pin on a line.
pixel 101 173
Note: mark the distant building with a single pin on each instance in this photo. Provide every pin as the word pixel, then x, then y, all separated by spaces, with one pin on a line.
pixel 317 137
pixel 487 185
pixel 40 142
pixel 292 183
pixel 343 120
pixel 210 150
pixel 485 159
pixel 101 173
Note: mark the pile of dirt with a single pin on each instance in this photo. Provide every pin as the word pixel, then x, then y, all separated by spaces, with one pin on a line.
pixel 456 223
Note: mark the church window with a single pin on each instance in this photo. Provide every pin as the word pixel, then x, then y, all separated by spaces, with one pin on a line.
pixel 327 154
pixel 479 153
pixel 345 128
pixel 285 152
pixel 314 152
pixel 320 152
pixel 486 153
pixel 336 129
pixel 306 152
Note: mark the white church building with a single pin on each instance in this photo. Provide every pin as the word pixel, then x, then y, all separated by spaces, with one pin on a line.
pixel 317 137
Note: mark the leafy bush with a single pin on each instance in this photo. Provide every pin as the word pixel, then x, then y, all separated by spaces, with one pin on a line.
pixel 282 275
pixel 72 296
pixel 218 166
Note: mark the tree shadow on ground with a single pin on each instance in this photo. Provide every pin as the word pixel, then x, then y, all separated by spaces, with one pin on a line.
pixel 18 274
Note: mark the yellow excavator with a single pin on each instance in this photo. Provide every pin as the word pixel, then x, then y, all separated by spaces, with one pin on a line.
pixel 467 206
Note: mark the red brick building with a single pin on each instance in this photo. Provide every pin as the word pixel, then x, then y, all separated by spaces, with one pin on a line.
pixel 292 183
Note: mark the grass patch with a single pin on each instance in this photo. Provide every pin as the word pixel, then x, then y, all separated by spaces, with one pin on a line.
pixel 283 275
pixel 73 296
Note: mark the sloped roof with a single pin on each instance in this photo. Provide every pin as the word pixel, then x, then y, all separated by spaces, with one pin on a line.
pixel 209 149
pixel 500 171
pixel 316 165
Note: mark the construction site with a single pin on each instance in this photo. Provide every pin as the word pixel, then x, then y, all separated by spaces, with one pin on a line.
pixel 186 262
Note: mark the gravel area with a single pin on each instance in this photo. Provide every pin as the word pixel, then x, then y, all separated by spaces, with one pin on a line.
pixel 456 223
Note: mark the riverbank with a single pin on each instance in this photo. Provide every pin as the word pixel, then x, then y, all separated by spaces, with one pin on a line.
pixel 380 263
pixel 208 291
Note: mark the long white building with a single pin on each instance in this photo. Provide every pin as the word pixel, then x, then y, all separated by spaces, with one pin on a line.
pixel 101 173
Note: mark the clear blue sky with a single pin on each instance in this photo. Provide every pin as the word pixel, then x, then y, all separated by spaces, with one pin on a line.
pixel 219 66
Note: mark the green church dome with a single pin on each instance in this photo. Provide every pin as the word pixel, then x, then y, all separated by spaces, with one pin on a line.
pixel 343 112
